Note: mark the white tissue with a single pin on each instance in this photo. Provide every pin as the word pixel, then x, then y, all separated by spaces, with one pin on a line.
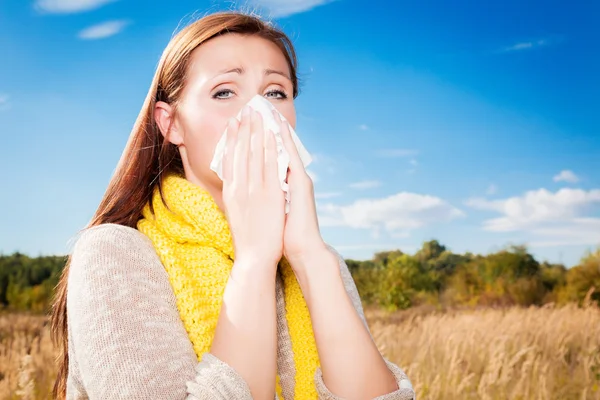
pixel 264 107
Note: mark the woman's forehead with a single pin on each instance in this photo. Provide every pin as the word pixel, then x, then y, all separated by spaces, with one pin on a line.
pixel 231 51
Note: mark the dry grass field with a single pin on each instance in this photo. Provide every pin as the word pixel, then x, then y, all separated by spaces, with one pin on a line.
pixel 26 357
pixel 537 353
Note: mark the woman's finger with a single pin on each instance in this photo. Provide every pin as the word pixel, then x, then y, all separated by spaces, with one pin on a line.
pixel 228 157
pixel 271 172
pixel 242 148
pixel 257 150
pixel 286 136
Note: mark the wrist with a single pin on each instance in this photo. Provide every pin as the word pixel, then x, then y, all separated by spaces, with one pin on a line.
pixel 253 271
pixel 306 259
pixel 316 268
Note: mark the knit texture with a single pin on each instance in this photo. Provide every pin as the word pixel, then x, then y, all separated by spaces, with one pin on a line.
pixel 127 340
pixel 193 241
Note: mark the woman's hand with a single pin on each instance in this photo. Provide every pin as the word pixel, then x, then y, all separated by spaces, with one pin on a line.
pixel 253 200
pixel 302 239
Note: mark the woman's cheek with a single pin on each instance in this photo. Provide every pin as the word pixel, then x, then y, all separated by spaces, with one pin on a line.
pixel 210 136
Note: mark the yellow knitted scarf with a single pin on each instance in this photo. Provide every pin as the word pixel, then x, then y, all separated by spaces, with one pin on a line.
pixel 194 244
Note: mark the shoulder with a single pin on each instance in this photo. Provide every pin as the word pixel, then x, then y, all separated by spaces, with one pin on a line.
pixel 112 251
pixel 110 237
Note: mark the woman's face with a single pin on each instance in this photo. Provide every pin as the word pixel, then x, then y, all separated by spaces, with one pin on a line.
pixel 224 74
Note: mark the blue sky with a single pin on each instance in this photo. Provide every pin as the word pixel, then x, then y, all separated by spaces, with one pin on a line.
pixel 475 123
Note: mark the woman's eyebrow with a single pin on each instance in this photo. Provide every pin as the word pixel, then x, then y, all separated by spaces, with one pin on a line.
pixel 274 71
pixel 240 71
pixel 237 70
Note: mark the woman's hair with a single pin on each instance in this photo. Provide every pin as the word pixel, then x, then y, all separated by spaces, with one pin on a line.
pixel 148 156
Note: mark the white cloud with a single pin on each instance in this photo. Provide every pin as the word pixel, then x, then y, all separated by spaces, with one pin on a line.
pixel 284 8
pixel 363 127
pixel 492 189
pixel 413 162
pixel 397 214
pixel 536 207
pixel 550 218
pixel 327 195
pixel 566 176
pixel 103 30
pixel 579 231
pixel 365 185
pixel 4 102
pixel 527 45
pixel 69 6
pixel 397 153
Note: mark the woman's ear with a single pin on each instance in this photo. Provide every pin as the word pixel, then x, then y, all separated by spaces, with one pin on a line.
pixel 165 119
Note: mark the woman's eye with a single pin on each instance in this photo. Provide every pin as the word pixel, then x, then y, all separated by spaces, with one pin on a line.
pixel 228 93
pixel 277 94
pixel 223 94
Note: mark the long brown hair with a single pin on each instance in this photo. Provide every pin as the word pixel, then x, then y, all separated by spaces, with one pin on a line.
pixel 147 156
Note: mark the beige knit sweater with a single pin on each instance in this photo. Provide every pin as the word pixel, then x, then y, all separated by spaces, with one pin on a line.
pixel 127 341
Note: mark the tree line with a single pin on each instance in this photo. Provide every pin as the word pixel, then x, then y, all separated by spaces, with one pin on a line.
pixel 392 279
pixel 27 283
pixel 509 277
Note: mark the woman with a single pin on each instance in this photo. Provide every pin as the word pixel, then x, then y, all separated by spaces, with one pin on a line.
pixel 154 305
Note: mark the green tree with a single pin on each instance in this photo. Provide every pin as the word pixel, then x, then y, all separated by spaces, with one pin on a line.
pixel 583 279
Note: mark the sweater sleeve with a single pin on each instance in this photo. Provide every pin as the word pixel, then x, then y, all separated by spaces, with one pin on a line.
pixel 127 339
pixel 405 390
